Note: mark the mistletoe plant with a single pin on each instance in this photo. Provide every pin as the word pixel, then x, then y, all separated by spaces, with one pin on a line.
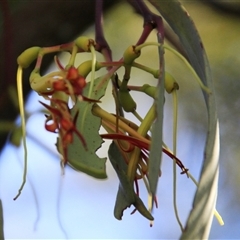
pixel 75 113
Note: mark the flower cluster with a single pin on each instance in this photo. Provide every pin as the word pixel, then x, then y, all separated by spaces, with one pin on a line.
pixel 75 115
pixel 60 121
pixel 67 84
pixel 133 142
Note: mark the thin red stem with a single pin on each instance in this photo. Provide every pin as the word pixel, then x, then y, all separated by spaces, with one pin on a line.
pixel 142 145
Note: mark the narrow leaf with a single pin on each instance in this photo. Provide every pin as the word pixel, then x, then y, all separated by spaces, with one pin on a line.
pixel 126 195
pixel 155 156
pixel 88 125
pixel 200 218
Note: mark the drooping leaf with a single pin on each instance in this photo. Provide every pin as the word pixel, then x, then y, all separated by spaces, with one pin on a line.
pixel 126 195
pixel 200 218
pixel 88 125
pixel 155 157
pixel 1 221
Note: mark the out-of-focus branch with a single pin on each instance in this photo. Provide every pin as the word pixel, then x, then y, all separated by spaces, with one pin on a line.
pixel 37 23
pixel 231 7
pixel 168 32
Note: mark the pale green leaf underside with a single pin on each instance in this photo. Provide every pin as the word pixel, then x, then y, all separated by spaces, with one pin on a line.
pixel 79 158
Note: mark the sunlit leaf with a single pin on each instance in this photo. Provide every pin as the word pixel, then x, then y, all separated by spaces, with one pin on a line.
pixel 200 218
pixel 79 158
pixel 126 195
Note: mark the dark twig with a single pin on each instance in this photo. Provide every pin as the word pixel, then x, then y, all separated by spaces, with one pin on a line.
pixel 151 20
pixel 101 41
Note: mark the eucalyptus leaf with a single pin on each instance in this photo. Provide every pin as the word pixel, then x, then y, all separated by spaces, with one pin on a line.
pixel 200 218
pixel 126 195
pixel 155 156
pixel 79 158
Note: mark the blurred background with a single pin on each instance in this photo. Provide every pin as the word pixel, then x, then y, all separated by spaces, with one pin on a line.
pixel 77 206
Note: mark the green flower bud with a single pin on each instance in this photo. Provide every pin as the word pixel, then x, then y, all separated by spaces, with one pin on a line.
pixel 86 67
pixel 149 90
pixel 126 101
pixel 130 55
pixel 28 56
pixel 170 83
pixel 84 43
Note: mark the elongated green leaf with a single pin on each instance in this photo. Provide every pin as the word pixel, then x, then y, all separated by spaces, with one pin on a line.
pixel 200 218
pixel 88 125
pixel 155 156
pixel 1 222
pixel 126 195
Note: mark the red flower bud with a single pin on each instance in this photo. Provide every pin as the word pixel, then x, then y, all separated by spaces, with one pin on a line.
pixel 72 73
pixel 81 82
pixel 59 85
pixel 65 124
pixel 51 127
pixel 68 138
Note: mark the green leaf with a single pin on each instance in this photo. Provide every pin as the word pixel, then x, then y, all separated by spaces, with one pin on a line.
pixel 88 125
pixel 1 222
pixel 126 195
pixel 155 156
pixel 200 218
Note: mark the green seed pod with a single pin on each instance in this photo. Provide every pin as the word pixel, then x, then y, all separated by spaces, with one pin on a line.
pixel 130 55
pixel 86 67
pixel 84 43
pixel 170 83
pixel 28 56
pixel 149 90
pixel 126 101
